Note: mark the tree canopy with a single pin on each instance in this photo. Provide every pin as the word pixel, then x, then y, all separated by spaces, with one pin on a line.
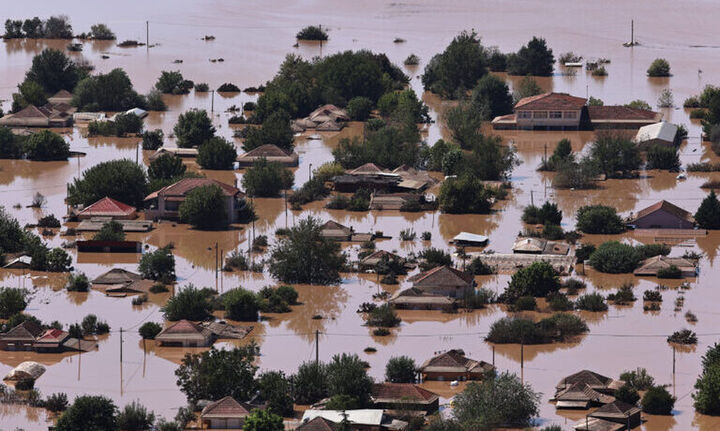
pixel 275 130
pixel 54 71
pixel 217 153
pixel 190 303
pixel 46 145
pixel 267 179
pixel 205 208
pixel 89 412
pixel 457 69
pixel 708 214
pixel 535 59
pixel 193 128
pixel 122 180
pixel 158 265
pixel 112 91
pixel 538 279
pixel 599 219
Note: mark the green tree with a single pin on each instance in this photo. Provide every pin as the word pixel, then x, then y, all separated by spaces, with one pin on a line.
pixel 58 260
pixel 502 401
pixel 615 258
pixel 54 71
pixel 312 32
pixel 400 369
pixel 57 27
pixel 12 301
pixel 135 417
pixel 403 104
pixel 639 104
pixel 547 214
pixel 32 94
pixel 166 167
pixel 599 219
pixel 658 401
pixel 627 394
pixel 152 139
pixel 241 304
pixel 216 374
pixel 190 303
pixel 538 280
pixel 347 376
pixel 492 96
pixel 112 91
pixel 127 123
pixel 205 208
pixel 615 153
pixel 659 68
pixel 158 265
pixel 91 413
pixel 173 83
pixel 110 231
pixel 457 69
pixel 708 214
pixel 310 382
pixel 275 130
pixel 263 420
pixel 10 145
pixel 266 179
pixel 193 128
pixel 383 316
pixel 149 330
pixel 527 87
pixel 305 256
pixel 464 122
pixel 217 153
pixel 101 32
pixel 275 388
pixel 535 59
pixel 663 157
pixel 122 180
pixel 359 108
pixel 465 195
pixel 707 395
pixel 388 144
pixel 46 145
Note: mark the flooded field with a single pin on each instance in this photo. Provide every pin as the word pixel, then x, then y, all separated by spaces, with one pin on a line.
pixel 253 40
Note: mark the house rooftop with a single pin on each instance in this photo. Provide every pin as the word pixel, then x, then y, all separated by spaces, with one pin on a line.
pixel 668 207
pixel 108 207
pixel 590 378
pixel 442 275
pixel 615 410
pixel 618 112
pixel 318 423
pixel 186 185
pixel 226 407
pixel 551 101
pixel 662 130
pixel 267 150
pixel 454 361
pixel 387 392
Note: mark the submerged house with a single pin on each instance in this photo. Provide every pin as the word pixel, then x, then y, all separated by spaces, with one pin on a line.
pixel 619 413
pixel 663 215
pixel 165 203
pixel 51 341
pixel 444 280
pixel 416 299
pixel 580 396
pixel 328 118
pixel 662 133
pixel 21 338
pixel 225 413
pixel 360 419
pixel 593 380
pixel 184 333
pixel 62 96
pixel 651 266
pixel 404 396
pixel 49 115
pixel 533 245
pixel 108 208
pixel 117 276
pixel 318 423
pixel 335 231
pixel 269 152
pixel 454 365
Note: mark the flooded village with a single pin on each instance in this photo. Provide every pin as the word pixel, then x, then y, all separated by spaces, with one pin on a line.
pixel 371 216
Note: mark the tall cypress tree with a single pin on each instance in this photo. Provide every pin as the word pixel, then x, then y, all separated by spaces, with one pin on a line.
pixel 708 215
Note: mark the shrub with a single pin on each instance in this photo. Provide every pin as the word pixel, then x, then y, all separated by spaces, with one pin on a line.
pixel 559 327
pixel 583 252
pixel 651 250
pixel 458 68
pixel 123 180
pixel 190 303
pixel 407 235
pixel 266 179
pixel 135 417
pixel 600 71
pixel 627 394
pixel 237 260
pixel 433 257
pixel 615 154
pixel 708 214
pixel 49 221
pixel 466 195
pixel 202 87
pixel 547 214
pixel 537 279
pixel 155 101
pixel 478 299
pixel 91 326
pixel 671 271
pixel 158 265
pixel 57 260
pixel 525 303
pixel 400 369
pixel 411 60
pixel 662 157
pixel 624 295
pixel 46 146
pixel 110 231
pixel 314 189
pixel 560 302
pixel 149 330
pixel 599 219
pixel 112 91
pixel 659 68
pixel 56 402
pixel 638 379
pixel 88 412
pixel 78 282
pixel 166 167
pixel 615 258
pixel 12 301
pixel 478 267
pixel 173 83
pixel 217 153
pixel 666 99
pixel 591 302
pixel 241 304
pixel 535 58
pixel 359 108
pixel 193 128
pixel 573 285
pixel 383 316
pixel 228 88
pixel 652 295
pixel 152 139
pixel 204 208
pixel 312 32
pixel 658 401
pixel 684 336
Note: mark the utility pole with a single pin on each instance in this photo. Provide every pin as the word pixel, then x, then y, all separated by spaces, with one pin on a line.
pixel 673 361
pixel 286 218
pixel 532 198
pixel 121 343
pixel 212 102
pixel 310 172
pixel 216 264
pixel 493 361
pixel 632 32
pixel 546 153
pixel 147 35
pixel 137 153
pixel 317 346
pixel 321 42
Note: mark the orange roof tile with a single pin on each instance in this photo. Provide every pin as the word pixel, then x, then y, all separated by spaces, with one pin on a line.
pixel 550 101
pixel 108 207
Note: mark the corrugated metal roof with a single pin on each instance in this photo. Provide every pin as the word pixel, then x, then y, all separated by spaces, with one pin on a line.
pixel 663 131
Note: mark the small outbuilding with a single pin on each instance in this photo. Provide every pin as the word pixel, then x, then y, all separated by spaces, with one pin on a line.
pixel 269 152
pixel 117 276
pixel 663 215
pixel 21 262
pixel 661 133
pixel 416 299
pixel 184 334
pixel 444 280
pixel 335 231
pixel 620 413
pixel 225 413
pixel 469 239
pixel 404 396
pixel 580 396
pixel 650 267
pixel 454 365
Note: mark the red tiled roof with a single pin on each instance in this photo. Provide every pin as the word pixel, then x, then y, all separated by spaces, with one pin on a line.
pixel 402 391
pixel 226 407
pixel 184 186
pixel 184 327
pixel 617 112
pixel 442 275
pixel 53 335
pixel 108 207
pixel 318 423
pixel 667 207
pixel 550 101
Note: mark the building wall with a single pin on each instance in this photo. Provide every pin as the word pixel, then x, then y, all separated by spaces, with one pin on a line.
pixel 16 346
pixel 451 291
pixel 662 220
pixel 229 423
pixel 543 119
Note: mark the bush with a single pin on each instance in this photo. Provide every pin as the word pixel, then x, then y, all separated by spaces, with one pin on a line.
pixel 658 401
pixel 241 304
pixel 359 108
pixel 478 267
pixel 411 60
pixel 46 146
pixel 537 280
pixel 684 336
pixel 56 402
pixel 49 221
pixel 385 144
pixel 637 379
pixel 708 214
pixel 228 88
pixel 193 128
pixel 559 327
pixel 560 302
pixel 591 302
pixel 615 154
pixel 155 101
pixel 314 189
pixel 525 303
pixel 149 330
pixel 135 417
pixel 88 413
pixel 623 296
pixel 57 260
pixel 173 83
pixel 651 250
pixel 659 68
pixel 627 394
pixel 152 140
pixel 122 180
pixel 671 271
pixel 615 258
pixel 204 208
pixel 217 153
pixel 433 257
pixel 190 303
pixel 78 283
pixel 125 124
pixel 478 299
pixel 458 68
pixel 662 157
pixel 166 167
pixel 275 130
pixel 547 214
pixel 158 265
pixel 112 91
pixel 383 316
pixel 400 369
pixel 267 179
pixel 110 231
pixel 312 32
pixel 599 219
pixel 310 382
pixel 202 87
pixel 535 59
pixel 466 195
pixel 652 295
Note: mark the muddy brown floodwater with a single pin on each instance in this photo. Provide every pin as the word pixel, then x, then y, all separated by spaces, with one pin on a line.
pixel 253 40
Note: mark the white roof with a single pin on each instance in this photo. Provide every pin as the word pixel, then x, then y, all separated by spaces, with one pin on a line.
pixel 27 370
pixel 361 417
pixel 663 130
pixel 469 237
pixel 24 259
pixel 137 111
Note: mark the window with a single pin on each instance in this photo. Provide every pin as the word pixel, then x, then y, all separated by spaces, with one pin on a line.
pixel 524 114
pixel 570 114
pixel 555 114
pixel 540 114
